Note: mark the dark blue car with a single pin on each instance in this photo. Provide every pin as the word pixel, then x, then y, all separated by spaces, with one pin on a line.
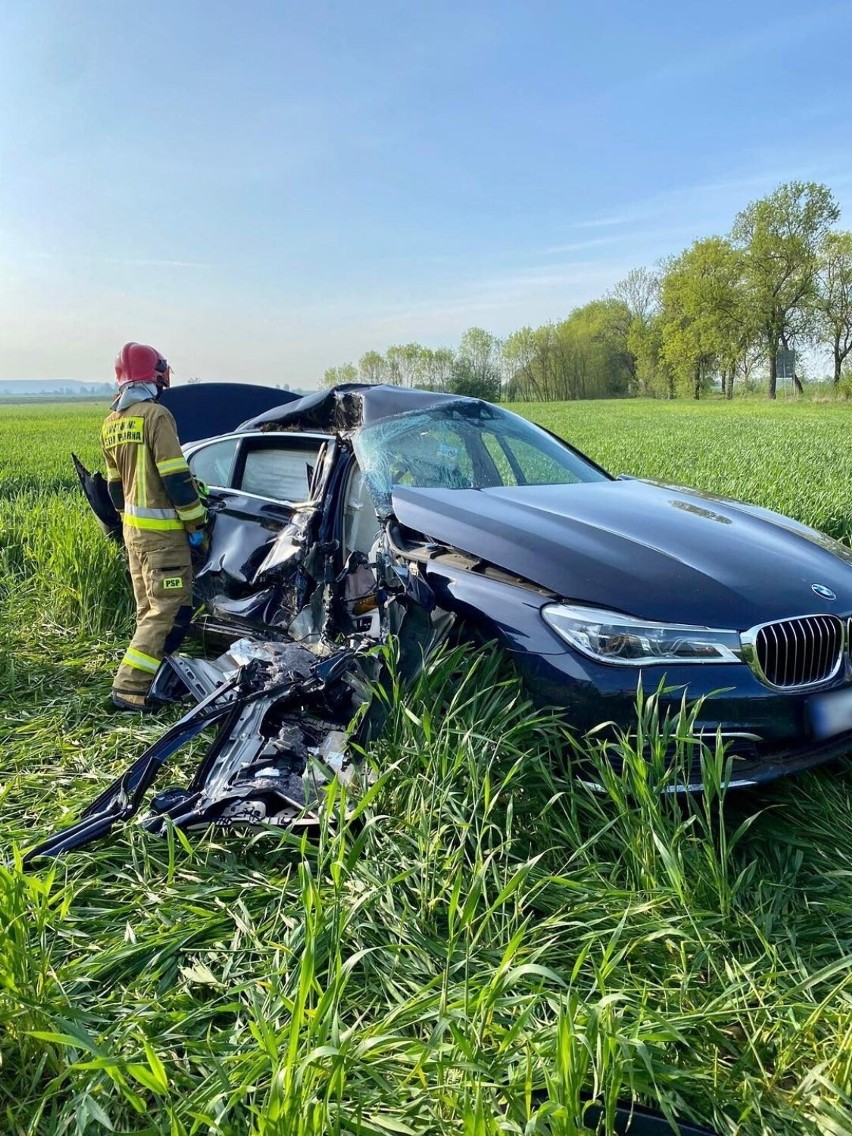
pixel 591 582
pixel 594 584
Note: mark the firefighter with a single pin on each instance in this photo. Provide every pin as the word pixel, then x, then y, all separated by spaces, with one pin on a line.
pixel 151 487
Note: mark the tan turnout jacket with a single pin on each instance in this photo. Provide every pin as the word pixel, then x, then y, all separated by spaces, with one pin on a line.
pixel 149 480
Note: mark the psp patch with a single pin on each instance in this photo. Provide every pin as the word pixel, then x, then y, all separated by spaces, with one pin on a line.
pixel 172 582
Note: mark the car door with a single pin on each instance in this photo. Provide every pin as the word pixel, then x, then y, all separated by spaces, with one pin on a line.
pixel 256 483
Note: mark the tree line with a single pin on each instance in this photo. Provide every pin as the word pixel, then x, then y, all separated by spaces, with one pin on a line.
pixel 720 314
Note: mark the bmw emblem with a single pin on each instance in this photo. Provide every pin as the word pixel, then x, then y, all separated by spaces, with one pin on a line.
pixel 824 592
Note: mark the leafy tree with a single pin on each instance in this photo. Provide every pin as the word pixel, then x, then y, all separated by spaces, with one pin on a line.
pixel 781 237
pixel 346 373
pixel 413 365
pixel 519 359
pixel 528 361
pixel 833 297
pixel 402 364
pixel 704 325
pixel 436 370
pixel 585 356
pixel 476 369
pixel 408 365
pixel 639 292
pixel 372 368
pixel 603 365
pixel 639 295
pixel 652 373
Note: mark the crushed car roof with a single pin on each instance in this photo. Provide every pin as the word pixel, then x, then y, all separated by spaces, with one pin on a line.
pixel 349 406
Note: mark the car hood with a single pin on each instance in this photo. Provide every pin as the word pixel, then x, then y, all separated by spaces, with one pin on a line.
pixel 203 410
pixel 654 551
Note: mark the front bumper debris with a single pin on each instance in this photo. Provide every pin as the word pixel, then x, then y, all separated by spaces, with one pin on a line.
pixel 282 722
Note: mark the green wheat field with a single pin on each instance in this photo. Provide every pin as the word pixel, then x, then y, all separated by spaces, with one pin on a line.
pixel 477 945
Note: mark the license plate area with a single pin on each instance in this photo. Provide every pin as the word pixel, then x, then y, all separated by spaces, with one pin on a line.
pixel 830 714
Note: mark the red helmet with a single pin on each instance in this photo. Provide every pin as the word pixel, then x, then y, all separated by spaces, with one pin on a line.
pixel 138 363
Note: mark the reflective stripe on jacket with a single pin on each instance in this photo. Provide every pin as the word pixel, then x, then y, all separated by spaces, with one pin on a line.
pixel 147 475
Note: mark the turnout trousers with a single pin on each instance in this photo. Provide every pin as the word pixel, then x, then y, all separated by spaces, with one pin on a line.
pixel 161 572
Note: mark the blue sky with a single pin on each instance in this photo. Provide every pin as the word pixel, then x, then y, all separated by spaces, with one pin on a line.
pixel 267 189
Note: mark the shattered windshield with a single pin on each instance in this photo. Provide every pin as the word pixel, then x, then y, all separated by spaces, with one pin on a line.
pixel 464 446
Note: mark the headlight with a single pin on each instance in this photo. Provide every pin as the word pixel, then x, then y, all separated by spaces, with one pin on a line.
pixel 612 638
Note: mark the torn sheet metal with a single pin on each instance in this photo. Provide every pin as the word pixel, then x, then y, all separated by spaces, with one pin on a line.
pixel 282 719
pixel 350 405
pixel 283 701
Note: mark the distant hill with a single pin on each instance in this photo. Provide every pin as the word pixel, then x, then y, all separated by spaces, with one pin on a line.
pixel 74 388
pixel 44 388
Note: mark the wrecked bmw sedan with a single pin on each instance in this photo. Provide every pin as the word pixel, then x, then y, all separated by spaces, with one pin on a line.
pixel 327 507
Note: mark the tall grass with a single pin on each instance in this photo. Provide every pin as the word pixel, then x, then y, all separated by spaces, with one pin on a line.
pixel 477 944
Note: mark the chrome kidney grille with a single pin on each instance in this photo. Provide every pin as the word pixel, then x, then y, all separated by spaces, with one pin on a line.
pixel 796 653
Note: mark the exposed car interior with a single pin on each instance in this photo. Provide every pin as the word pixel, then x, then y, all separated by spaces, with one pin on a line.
pixel 274 468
